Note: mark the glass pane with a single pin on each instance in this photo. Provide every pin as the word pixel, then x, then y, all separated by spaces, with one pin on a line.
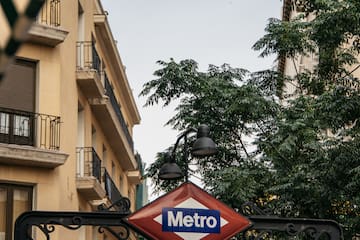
pixel 4 123
pixel 3 201
pixel 21 203
pixel 21 126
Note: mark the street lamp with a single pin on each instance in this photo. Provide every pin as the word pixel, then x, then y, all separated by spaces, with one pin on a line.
pixel 203 146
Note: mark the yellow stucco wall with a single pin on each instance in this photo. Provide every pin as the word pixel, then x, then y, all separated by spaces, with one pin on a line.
pixel 58 94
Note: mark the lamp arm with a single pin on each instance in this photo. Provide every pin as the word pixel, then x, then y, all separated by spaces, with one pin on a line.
pixel 184 134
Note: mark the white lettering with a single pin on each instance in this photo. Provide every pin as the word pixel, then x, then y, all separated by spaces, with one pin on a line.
pixel 172 221
pixel 202 220
pixel 197 220
pixel 188 221
pixel 179 220
pixel 211 222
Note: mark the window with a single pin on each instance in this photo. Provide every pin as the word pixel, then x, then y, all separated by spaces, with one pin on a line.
pixel 22 126
pixel 14 200
pixel 18 86
pixel 16 127
pixel 17 103
pixel 4 123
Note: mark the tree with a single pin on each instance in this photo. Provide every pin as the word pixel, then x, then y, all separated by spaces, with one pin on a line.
pixel 208 97
pixel 300 159
pixel 318 132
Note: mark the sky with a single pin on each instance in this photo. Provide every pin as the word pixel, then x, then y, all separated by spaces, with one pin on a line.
pixel 208 31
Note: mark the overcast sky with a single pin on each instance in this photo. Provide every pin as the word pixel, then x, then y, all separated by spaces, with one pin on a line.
pixel 208 31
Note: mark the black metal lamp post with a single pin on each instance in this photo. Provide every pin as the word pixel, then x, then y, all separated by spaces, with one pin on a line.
pixel 204 146
pixel 264 226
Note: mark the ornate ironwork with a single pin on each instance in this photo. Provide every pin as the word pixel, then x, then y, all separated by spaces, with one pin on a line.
pixel 266 226
pixel 119 203
pixel 123 204
pixel 92 163
pixel 111 221
pixel 122 234
pixel 117 108
pixel 311 228
pixel 87 56
pixel 50 13
pixel 250 208
pixel 29 128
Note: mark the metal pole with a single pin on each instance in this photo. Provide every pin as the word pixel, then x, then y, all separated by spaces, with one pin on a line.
pixel 186 159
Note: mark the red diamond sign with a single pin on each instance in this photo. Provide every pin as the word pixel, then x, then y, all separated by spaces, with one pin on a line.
pixel 188 213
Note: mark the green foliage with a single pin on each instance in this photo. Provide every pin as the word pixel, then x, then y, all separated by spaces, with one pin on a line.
pixel 300 158
pixel 313 148
pixel 286 39
pixel 237 185
pixel 222 98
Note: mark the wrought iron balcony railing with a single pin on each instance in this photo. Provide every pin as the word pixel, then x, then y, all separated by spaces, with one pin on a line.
pixel 110 93
pixel 88 163
pixel 29 128
pixel 87 56
pixel 50 13
pixel 112 191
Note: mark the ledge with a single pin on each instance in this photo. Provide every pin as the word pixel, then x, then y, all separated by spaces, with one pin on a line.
pixel 134 177
pixel 12 154
pixel 90 188
pixel 90 83
pixel 104 33
pixel 46 35
pixel 114 132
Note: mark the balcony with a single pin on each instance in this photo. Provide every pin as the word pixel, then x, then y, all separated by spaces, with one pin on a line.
pixel 116 106
pixel 88 70
pixel 135 176
pixel 107 110
pixel 112 191
pixel 95 86
pixel 46 30
pixel 105 40
pixel 30 139
pixel 89 174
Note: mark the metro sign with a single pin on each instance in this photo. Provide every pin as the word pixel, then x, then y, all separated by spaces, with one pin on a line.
pixel 190 220
pixel 188 213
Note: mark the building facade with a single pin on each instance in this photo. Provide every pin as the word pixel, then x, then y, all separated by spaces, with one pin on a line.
pixel 67 114
pixel 292 67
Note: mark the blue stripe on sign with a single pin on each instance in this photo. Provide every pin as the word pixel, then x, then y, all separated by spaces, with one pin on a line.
pixel 190 220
